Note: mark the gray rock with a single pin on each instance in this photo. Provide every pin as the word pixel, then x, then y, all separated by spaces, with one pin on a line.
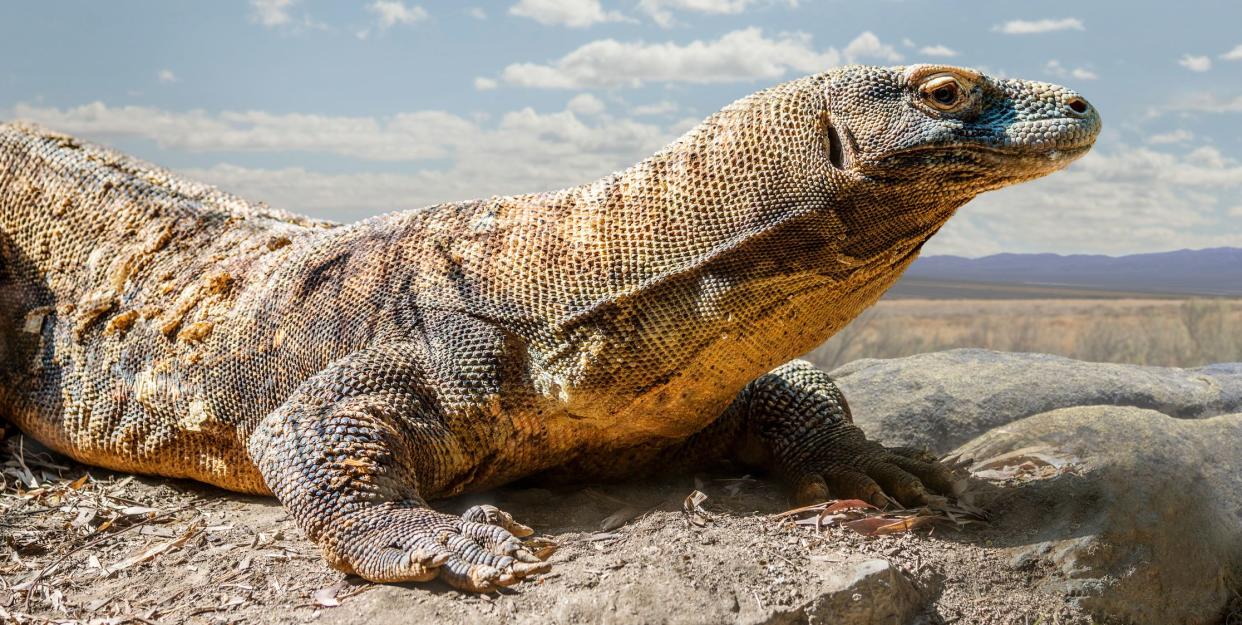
pixel 943 399
pixel 872 591
pixel 1150 528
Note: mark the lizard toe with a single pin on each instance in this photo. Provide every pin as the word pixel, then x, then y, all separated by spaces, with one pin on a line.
pixel 464 575
pixel 412 543
pixel 810 489
pixel 898 483
pixel 914 453
pixel 520 552
pixel 486 557
pixel 850 484
pixel 492 515
pixel 398 547
pixel 931 472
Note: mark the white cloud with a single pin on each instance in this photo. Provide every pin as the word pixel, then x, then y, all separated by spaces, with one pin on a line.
pixel 586 104
pixel 477 13
pixel 521 151
pixel 740 55
pixel 661 11
pixel 166 75
pixel 1031 27
pixel 664 107
pixel 482 83
pixel 393 12
pixel 572 13
pixel 405 136
pixel 1234 54
pixel 1195 63
pixel 1130 199
pixel 867 45
pixel 938 50
pixel 1206 103
pixel 1236 211
pixel 1055 68
pixel 271 12
pixel 1176 136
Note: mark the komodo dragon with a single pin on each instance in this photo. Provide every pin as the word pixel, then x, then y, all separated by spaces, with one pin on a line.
pixel 640 322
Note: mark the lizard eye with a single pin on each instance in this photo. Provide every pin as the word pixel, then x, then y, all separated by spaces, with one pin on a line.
pixel 944 92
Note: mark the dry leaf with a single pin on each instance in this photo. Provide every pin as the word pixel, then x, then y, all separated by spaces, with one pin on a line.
pixel 326 596
pixel 154 551
pixel 693 509
pixel 847 504
pixel 870 526
pixel 139 511
pixel 869 520
pixel 84 518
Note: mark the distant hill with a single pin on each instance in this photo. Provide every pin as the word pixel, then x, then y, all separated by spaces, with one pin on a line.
pixel 1208 272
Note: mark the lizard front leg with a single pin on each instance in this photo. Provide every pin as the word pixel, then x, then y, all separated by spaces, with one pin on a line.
pixel 346 454
pixel 795 423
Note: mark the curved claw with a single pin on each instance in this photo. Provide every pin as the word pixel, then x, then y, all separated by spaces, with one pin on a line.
pixel 470 577
pixel 516 550
pixel 936 475
pixel 898 483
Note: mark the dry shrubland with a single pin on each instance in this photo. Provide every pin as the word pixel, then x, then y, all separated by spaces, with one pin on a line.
pixel 1167 332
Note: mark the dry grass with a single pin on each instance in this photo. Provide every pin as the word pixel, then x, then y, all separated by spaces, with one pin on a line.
pixel 1177 333
pixel 83 546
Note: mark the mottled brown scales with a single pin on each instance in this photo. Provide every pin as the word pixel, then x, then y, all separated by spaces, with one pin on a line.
pixel 119 323
pixel 642 322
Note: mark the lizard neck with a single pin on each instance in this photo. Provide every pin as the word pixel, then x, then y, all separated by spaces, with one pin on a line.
pixel 736 248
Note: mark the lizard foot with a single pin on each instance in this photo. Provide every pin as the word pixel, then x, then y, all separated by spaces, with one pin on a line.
pixel 479 551
pixel 848 466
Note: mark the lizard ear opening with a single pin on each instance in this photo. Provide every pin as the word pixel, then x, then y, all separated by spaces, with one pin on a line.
pixel 836 152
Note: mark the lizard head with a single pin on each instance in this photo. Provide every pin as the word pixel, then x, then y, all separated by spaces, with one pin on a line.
pixel 955 131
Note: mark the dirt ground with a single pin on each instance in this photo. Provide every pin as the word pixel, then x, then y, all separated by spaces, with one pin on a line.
pixel 92 546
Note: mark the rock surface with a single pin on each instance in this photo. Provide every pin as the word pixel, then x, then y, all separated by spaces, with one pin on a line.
pixel 1148 529
pixel 943 399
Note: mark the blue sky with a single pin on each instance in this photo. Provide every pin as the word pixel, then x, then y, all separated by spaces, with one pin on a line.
pixel 348 109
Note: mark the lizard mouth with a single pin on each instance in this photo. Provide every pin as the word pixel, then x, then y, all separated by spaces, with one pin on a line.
pixel 1002 150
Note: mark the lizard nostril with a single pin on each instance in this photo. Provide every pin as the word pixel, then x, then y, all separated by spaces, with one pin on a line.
pixel 1078 105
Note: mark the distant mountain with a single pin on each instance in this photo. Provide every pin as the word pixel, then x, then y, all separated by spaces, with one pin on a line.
pixel 1208 272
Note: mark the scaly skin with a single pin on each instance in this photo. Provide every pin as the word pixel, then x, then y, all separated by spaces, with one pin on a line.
pixel 642 321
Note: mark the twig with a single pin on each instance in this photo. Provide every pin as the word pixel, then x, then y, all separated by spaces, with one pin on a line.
pixel 102 539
